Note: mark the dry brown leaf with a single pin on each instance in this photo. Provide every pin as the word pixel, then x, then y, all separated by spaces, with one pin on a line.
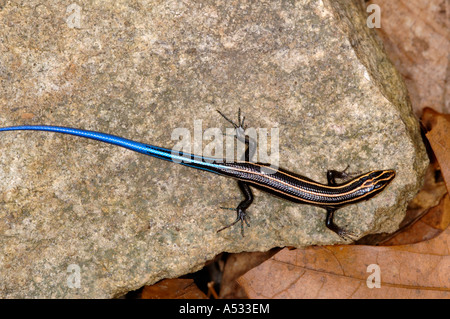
pixel 237 265
pixel 430 225
pixel 409 271
pixel 438 135
pixel 173 289
pixel 416 37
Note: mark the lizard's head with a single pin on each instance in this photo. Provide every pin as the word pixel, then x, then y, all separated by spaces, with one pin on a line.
pixel 375 181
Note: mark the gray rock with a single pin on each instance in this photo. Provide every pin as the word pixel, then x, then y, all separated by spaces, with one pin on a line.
pixel 121 220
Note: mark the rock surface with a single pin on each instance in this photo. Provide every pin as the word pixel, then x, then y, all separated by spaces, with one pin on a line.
pixel 84 219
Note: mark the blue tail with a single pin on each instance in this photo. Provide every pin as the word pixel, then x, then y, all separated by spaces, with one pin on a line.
pixel 195 161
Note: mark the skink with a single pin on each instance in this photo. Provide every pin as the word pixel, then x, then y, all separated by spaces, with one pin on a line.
pixel 278 182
